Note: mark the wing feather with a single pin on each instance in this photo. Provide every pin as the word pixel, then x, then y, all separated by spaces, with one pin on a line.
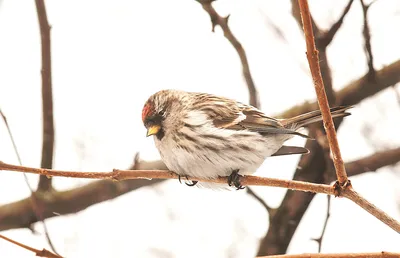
pixel 229 114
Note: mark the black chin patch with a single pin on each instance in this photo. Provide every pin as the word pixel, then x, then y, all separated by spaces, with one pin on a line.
pixel 160 134
pixel 156 120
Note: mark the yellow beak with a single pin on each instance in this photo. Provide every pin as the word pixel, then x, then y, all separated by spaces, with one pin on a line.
pixel 154 129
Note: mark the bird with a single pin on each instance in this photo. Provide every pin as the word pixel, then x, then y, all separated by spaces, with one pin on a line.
pixel 207 136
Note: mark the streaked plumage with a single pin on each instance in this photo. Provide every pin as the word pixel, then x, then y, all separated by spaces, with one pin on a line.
pixel 207 136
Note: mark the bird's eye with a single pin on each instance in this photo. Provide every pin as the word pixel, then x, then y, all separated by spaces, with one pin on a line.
pixel 161 113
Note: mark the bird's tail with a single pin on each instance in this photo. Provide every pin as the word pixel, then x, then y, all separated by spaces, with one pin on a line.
pixel 313 116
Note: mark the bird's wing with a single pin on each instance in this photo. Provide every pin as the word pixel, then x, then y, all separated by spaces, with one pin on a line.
pixel 229 114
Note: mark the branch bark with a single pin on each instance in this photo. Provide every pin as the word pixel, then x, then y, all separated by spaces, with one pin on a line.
pixel 313 60
pixel 47 96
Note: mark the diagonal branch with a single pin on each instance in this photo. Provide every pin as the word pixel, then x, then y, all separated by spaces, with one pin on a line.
pixel 39 253
pixel 326 38
pixel 216 19
pixel 312 56
pixel 47 96
pixel 356 90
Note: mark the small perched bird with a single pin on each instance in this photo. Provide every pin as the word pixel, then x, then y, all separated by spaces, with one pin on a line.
pixel 207 136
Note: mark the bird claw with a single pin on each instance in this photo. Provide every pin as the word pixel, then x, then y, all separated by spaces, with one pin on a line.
pixel 188 184
pixel 234 179
pixel 192 184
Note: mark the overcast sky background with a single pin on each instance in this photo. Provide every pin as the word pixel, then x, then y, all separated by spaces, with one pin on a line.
pixel 110 56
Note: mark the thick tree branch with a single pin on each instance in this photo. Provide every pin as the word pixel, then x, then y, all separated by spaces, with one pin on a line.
pixel 342 255
pixel 39 253
pixel 373 162
pixel 355 91
pixel 47 96
pixel 216 19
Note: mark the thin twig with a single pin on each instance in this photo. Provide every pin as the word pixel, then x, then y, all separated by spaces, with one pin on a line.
pixel 337 255
pixel 312 56
pixel 39 253
pixel 260 200
pixel 326 38
pixel 82 197
pixel 47 96
pixel 328 214
pixel 35 202
pixel 367 42
pixel 216 19
pixel 118 175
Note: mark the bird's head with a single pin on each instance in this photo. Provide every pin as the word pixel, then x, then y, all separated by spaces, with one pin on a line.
pixel 156 113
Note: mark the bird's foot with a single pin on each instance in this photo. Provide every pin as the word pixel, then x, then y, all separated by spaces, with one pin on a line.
pixel 193 183
pixel 234 179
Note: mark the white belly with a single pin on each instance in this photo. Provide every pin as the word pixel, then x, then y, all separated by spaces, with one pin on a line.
pixel 246 154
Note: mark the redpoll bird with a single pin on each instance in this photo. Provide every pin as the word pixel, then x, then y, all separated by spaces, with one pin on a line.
pixel 206 136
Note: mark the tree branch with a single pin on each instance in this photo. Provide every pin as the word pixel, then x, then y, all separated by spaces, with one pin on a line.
pixel 367 42
pixel 328 214
pixel 117 174
pixel 313 60
pixel 342 255
pixel 373 162
pixel 355 91
pixel 47 96
pixel 34 203
pixel 326 38
pixel 216 19
pixel 39 253
pixel 20 214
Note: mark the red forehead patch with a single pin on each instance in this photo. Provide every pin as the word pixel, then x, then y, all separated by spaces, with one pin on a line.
pixel 147 109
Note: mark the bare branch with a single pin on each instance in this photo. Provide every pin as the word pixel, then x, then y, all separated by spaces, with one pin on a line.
pixel 328 214
pixel 373 162
pixel 367 41
pixel 351 194
pixel 326 38
pixel 262 202
pixel 47 96
pixel 119 175
pixel 116 174
pixel 39 253
pixel 34 202
pixel 342 255
pixel 355 91
pixel 312 56
pixel 216 19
